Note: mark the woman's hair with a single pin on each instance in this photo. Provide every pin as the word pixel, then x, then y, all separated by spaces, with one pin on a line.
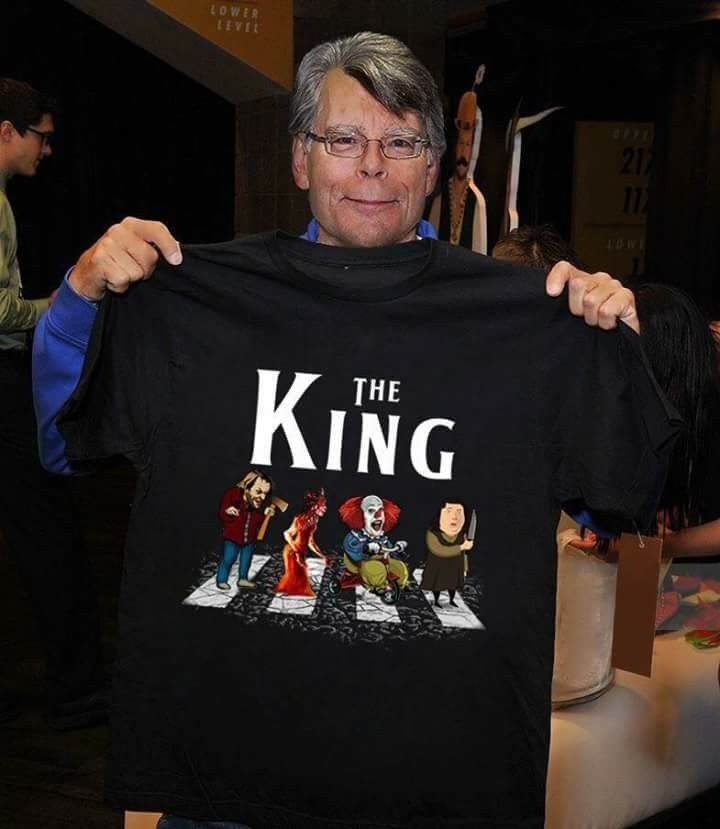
pixel 679 346
pixel 436 520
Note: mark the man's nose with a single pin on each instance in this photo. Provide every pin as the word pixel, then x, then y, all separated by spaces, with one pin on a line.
pixel 47 149
pixel 372 161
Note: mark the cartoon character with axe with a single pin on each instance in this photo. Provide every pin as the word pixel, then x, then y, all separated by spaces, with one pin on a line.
pixel 245 512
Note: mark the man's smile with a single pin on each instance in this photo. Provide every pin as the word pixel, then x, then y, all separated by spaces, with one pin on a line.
pixel 370 205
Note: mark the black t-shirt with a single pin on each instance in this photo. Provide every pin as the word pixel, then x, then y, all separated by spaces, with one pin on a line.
pixel 406 388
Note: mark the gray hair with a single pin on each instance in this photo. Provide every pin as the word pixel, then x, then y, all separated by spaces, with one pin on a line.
pixel 385 67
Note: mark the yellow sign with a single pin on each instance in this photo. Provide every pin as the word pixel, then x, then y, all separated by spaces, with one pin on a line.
pixel 610 198
pixel 257 32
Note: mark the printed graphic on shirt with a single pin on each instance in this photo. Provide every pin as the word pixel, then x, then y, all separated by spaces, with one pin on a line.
pixel 360 589
pixel 299 538
pixel 361 586
pixel 377 440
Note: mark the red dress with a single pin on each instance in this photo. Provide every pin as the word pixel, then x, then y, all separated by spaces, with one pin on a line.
pixel 296 580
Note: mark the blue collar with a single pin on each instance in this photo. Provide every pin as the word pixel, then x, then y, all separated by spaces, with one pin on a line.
pixel 424 230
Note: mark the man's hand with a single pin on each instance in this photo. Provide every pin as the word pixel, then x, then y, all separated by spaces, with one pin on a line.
pixel 597 297
pixel 126 253
pixel 232 511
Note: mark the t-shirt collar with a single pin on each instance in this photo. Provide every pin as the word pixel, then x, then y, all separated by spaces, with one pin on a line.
pixel 424 231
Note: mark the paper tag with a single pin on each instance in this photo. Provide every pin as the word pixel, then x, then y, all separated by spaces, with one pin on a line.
pixel 636 602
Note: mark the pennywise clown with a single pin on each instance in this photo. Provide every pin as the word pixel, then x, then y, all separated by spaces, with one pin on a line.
pixel 367 548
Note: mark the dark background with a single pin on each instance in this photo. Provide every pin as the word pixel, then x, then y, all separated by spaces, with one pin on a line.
pixel 134 137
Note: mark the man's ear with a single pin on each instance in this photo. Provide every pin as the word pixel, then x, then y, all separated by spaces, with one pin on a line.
pixel 7 130
pixel 299 164
pixel 431 174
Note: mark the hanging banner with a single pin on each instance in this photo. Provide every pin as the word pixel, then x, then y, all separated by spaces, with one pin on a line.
pixel 610 194
pixel 257 32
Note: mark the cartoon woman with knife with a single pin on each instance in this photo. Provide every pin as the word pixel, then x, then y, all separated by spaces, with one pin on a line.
pixel 447 545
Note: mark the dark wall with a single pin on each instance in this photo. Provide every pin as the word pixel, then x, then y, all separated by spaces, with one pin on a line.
pixel 609 81
pixel 614 61
pixel 135 137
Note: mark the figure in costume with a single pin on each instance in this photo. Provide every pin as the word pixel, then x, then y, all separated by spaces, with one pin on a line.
pixel 243 511
pixel 447 545
pixel 300 537
pixel 367 548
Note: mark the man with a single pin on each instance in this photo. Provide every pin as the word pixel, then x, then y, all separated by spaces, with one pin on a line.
pixel 464 345
pixel 459 210
pixel 36 516
pixel 242 511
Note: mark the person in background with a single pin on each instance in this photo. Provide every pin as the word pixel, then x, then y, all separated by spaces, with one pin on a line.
pixel 681 351
pixel 537 246
pixel 37 519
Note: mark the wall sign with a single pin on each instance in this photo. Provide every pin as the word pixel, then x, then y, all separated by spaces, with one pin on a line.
pixel 258 32
pixel 613 160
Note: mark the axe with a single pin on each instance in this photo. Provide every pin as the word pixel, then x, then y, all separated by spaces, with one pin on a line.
pixel 278 503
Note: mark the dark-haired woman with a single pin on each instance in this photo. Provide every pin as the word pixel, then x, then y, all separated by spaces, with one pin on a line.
pixel 682 354
pixel 446 547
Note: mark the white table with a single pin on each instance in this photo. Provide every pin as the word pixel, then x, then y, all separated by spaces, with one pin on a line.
pixel 642 747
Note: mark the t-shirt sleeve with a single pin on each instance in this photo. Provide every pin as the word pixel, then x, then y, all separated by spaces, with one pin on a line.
pixel 614 430
pixel 121 396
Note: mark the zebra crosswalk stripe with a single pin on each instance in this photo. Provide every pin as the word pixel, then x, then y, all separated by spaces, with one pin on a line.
pixel 369 607
pixel 449 616
pixel 209 594
pixel 300 605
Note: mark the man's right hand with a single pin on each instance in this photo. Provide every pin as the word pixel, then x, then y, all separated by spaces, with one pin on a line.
pixel 128 252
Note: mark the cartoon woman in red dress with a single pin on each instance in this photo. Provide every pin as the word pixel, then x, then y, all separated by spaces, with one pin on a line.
pixel 299 537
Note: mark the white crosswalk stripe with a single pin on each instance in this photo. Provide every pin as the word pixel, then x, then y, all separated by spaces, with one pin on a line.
pixel 369 607
pixel 450 617
pixel 300 605
pixel 209 595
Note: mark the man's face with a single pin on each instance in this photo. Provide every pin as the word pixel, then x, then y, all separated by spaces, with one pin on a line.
pixel 452 518
pixel 371 200
pixel 23 153
pixel 373 515
pixel 255 496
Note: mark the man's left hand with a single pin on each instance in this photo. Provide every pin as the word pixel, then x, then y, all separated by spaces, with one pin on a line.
pixel 597 297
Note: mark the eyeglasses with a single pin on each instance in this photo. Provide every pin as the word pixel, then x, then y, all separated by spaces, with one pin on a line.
pixel 46 138
pixel 354 144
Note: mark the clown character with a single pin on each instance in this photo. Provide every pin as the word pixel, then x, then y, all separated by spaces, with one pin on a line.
pixel 243 510
pixel 367 548
pixel 300 537
pixel 447 543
